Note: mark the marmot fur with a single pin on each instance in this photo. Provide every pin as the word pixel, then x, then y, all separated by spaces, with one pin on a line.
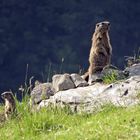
pixel 10 105
pixel 101 50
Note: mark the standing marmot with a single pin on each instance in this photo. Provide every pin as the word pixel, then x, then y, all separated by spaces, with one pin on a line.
pixel 101 50
pixel 10 105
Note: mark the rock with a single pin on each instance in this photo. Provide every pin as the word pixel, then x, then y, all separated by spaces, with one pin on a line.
pixel 108 71
pixel 78 80
pixel 119 75
pixel 92 98
pixel 131 60
pixel 62 82
pixel 96 77
pixel 41 91
pixel 133 70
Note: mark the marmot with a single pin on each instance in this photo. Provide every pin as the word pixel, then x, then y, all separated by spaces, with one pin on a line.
pixel 10 105
pixel 101 50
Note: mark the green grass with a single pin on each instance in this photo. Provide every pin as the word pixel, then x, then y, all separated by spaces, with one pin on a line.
pixel 60 124
pixel 110 78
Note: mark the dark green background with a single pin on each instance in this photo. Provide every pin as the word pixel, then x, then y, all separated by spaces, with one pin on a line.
pixel 42 32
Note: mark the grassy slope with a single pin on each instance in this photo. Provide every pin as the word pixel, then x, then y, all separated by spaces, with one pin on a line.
pixel 111 123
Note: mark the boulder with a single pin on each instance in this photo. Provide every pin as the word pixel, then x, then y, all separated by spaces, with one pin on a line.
pixel 78 80
pixel 96 77
pixel 131 60
pixel 133 70
pixel 62 82
pixel 119 75
pixel 91 98
pixel 108 71
pixel 41 91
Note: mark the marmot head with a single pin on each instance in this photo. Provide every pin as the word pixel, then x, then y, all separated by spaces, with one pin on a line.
pixel 102 27
pixel 7 95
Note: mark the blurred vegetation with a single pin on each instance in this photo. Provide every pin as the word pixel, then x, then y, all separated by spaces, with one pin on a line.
pixel 43 33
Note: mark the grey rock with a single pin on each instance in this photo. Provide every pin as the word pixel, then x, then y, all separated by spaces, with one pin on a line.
pixel 131 60
pixel 78 80
pixel 92 98
pixel 62 82
pixel 41 91
pixel 96 77
pixel 133 70
pixel 109 71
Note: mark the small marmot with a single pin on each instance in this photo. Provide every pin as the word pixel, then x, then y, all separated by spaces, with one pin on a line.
pixel 101 50
pixel 10 105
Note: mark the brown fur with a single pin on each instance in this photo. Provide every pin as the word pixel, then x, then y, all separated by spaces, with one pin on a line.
pixel 10 105
pixel 101 50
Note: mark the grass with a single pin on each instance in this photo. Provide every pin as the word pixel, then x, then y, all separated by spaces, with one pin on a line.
pixel 60 124
pixel 110 123
pixel 110 78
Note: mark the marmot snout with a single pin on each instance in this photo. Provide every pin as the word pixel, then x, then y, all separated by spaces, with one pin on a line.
pixel 103 26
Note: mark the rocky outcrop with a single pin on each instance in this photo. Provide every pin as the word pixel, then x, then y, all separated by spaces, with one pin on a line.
pixel 133 70
pixel 114 71
pixel 41 91
pixel 62 82
pixel 68 92
pixel 108 71
pixel 91 98
pixel 78 80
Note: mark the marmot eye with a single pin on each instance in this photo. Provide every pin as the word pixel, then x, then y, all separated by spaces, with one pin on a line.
pixel 97 25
